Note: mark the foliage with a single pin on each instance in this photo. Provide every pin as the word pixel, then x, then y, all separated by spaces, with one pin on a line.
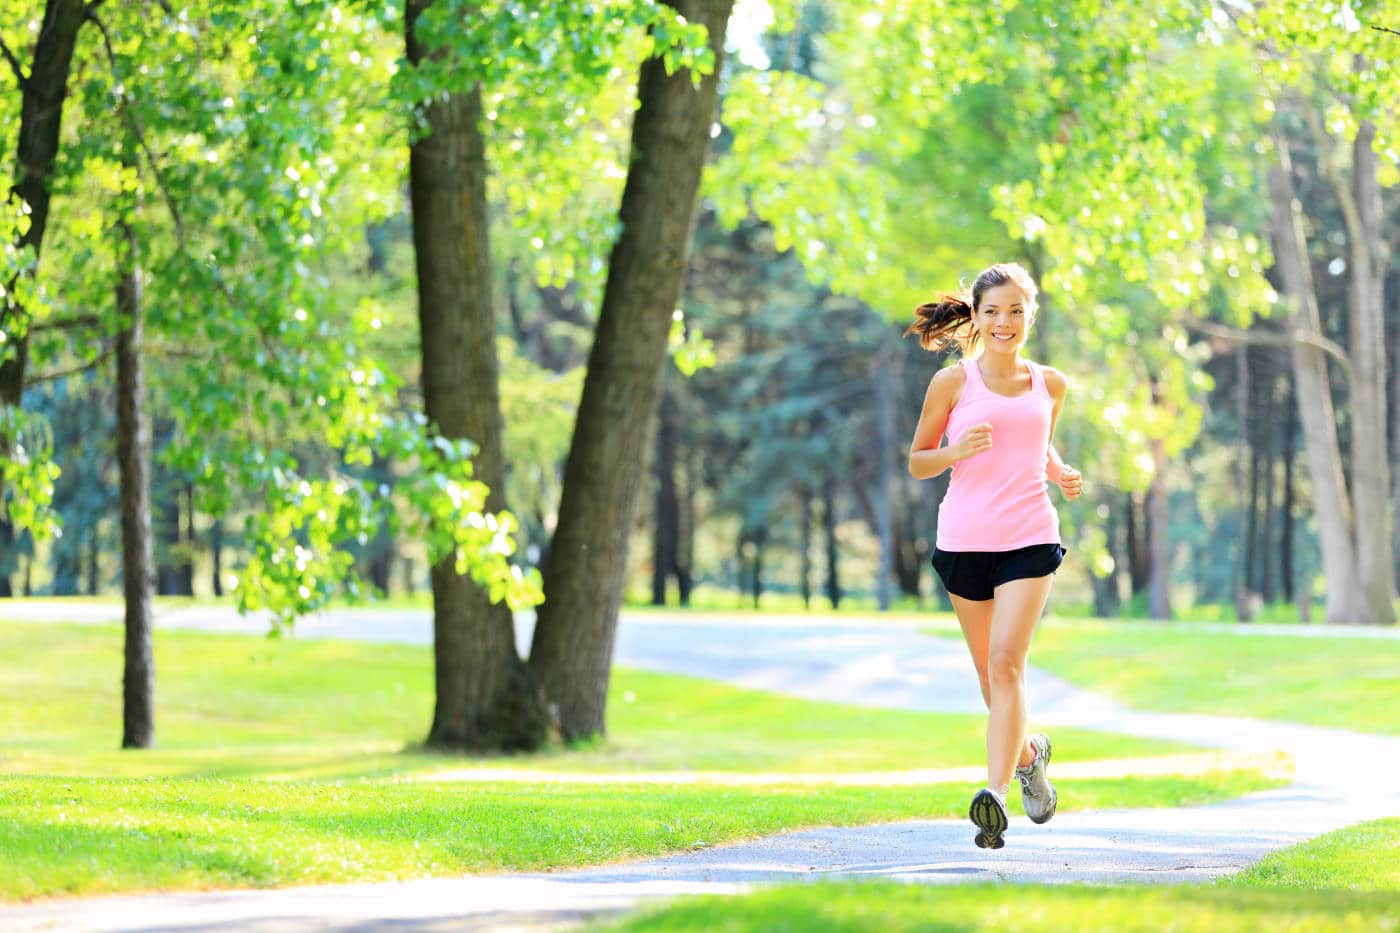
pixel 1089 142
pixel 28 472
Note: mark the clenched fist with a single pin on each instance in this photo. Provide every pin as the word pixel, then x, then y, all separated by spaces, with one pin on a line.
pixel 974 440
pixel 1071 483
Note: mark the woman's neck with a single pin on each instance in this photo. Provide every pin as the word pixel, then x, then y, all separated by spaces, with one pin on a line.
pixel 1000 364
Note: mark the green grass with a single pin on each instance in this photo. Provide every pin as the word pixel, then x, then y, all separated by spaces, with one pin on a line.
pixel 286 762
pixel 892 907
pixel 1344 880
pixel 240 706
pixel 1364 857
pixel 85 835
pixel 1342 682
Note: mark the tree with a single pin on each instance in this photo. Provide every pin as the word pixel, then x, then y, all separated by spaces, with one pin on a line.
pixel 1359 588
pixel 583 574
pixel 134 462
pixel 1311 59
pixel 26 485
pixel 486 697
pixel 248 101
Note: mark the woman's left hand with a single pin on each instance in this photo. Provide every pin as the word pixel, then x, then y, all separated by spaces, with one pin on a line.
pixel 1071 483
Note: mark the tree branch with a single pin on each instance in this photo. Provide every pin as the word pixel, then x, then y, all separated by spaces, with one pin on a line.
pixel 1271 339
pixel 1386 29
pixel 72 370
pixel 67 323
pixel 1326 160
pixel 14 65
pixel 135 128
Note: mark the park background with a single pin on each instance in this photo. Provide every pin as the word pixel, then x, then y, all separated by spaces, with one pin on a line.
pixel 285 262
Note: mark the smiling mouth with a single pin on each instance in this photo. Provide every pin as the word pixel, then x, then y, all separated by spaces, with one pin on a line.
pixel 1003 337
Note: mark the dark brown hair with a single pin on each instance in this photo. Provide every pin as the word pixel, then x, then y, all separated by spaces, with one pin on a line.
pixel 948 321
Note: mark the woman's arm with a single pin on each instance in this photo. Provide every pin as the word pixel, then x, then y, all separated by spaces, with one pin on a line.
pixel 1054 466
pixel 1062 475
pixel 926 458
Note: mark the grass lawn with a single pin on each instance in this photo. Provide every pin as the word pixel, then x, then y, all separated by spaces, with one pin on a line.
pixel 88 835
pixel 1364 857
pixel 1345 880
pixel 892 907
pixel 285 762
pixel 1342 682
pixel 241 706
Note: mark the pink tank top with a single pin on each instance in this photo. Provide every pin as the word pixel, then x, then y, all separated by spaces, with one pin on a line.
pixel 997 499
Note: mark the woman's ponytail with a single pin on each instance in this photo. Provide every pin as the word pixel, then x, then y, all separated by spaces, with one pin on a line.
pixel 945 322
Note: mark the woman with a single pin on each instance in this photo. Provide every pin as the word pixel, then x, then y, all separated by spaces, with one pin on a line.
pixel 998 533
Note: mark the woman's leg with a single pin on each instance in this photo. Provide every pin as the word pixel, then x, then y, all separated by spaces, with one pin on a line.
pixel 975 617
pixel 1016 609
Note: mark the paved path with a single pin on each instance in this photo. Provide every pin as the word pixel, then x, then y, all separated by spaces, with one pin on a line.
pixel 1339 780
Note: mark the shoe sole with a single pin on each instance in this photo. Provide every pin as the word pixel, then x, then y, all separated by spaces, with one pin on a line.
pixel 1054 797
pixel 990 820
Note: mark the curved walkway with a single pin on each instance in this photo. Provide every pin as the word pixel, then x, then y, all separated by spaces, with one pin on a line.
pixel 1339 780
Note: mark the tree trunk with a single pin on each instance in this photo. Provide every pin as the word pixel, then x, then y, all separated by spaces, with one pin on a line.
pixel 910 549
pixel 187 555
pixel 1331 501
pixel 485 698
pixel 759 539
pixel 1139 560
pixel 1245 515
pixel 583 576
pixel 1106 601
pixel 884 377
pixel 1268 554
pixel 216 551
pixel 175 523
pixel 1394 407
pixel 1290 432
pixel 1159 603
pixel 685 543
pixel 833 578
pixel 1251 532
pixel 134 463
pixel 41 112
pixel 666 527
pixel 165 513
pixel 1370 450
pixel 93 552
pixel 741 561
pixel 7 558
pixel 804 496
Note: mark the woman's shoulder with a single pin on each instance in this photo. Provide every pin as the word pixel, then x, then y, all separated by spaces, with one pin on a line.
pixel 1055 381
pixel 952 377
pixel 947 385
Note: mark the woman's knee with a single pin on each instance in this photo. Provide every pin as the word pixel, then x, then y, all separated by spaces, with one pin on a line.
pixel 1005 666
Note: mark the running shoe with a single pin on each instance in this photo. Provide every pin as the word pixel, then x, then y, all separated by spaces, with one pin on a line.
pixel 1038 796
pixel 988 811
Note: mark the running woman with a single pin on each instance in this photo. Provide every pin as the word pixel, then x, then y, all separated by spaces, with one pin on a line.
pixel 998 532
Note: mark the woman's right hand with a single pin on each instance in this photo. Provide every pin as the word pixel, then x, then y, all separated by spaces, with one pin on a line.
pixel 973 441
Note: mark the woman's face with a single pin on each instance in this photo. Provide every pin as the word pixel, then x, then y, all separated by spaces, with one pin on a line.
pixel 1002 318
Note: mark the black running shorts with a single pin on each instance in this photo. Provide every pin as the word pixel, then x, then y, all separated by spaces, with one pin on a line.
pixel 976 574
